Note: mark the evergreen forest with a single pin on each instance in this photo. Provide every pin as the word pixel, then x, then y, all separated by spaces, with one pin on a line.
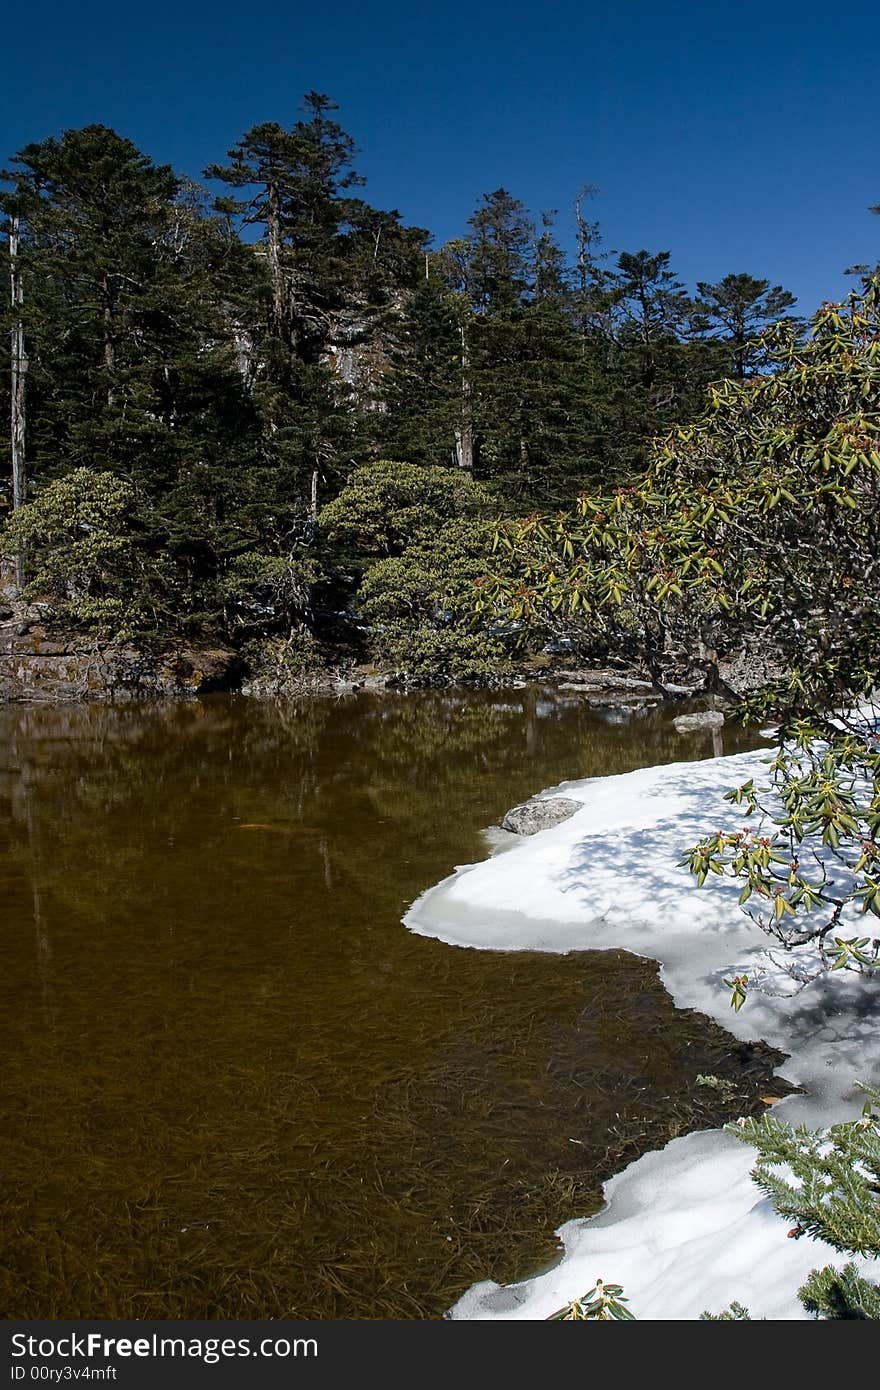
pixel 262 409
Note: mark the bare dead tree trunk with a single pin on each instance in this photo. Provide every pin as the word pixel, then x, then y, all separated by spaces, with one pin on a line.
pixel 19 366
pixel 273 230
pixel 587 240
pixel 242 346
pixel 109 345
pixel 464 434
pixel 464 447
pixel 313 508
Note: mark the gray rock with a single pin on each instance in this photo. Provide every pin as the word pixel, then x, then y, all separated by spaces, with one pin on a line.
pixel 537 814
pixel 694 723
pixel 602 679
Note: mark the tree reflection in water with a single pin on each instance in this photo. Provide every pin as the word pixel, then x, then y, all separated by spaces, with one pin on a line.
pixel 235 1085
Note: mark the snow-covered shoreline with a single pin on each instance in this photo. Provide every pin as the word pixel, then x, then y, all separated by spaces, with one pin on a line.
pixel 684 1229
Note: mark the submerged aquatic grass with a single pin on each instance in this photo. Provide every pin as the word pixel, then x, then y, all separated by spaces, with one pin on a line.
pixel 235 1086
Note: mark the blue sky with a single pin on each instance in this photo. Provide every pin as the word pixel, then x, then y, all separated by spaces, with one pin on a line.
pixel 740 136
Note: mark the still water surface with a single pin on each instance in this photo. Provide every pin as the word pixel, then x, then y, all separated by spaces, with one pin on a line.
pixel 233 1084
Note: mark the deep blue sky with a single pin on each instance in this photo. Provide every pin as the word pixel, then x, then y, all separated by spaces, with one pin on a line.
pixel 738 135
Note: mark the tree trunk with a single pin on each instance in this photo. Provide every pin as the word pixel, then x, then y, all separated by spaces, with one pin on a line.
pixel 19 366
pixel 464 448
pixel 739 358
pixel 464 434
pixel 109 345
pixel 273 231
pixel 313 506
pixel 587 239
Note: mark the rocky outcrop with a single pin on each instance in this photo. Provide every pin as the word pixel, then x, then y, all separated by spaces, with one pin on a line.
pixel 603 679
pixel 40 661
pixel 539 814
pixel 730 675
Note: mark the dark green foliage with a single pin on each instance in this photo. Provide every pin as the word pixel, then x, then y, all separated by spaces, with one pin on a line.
pixel 657 366
pixel 423 385
pixel 557 377
pixel 737 310
pixel 123 270
pixel 656 302
pixel 384 505
pixel 735 1312
pixel 332 266
pixel 297 180
pixel 130 306
pixel 841 1293
pixel 234 386
pixel 418 605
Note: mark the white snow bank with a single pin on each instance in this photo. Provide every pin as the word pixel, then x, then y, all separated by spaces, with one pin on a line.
pixel 684 1229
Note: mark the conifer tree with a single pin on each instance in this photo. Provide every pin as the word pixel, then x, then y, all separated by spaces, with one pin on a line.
pixel 297 180
pixel 518 374
pixel 646 371
pixel 332 262
pixel 423 389
pixel 736 310
pixel 93 211
pixel 132 298
pixel 294 185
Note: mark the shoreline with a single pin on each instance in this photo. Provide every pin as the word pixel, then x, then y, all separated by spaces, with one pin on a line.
pixel 684 1229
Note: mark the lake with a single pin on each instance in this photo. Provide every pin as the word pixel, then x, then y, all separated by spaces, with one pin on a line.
pixel 234 1085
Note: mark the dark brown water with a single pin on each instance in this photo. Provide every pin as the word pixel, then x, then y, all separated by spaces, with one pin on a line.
pixel 233 1084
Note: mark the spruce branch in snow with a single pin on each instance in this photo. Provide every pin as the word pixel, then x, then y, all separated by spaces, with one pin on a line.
pixel 828 1183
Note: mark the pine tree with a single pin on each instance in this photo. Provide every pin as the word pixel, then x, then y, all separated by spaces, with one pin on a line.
pixel 298 180
pixel 296 184
pixel 736 310
pixel 649 373
pixel 334 265
pixel 93 212
pixel 423 390
pixel 656 305
pixel 134 309
pixel 522 386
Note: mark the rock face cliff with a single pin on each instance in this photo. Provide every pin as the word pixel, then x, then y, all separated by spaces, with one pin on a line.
pixel 41 661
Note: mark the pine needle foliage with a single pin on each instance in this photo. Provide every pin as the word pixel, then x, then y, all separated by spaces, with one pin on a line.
pixel 827 1182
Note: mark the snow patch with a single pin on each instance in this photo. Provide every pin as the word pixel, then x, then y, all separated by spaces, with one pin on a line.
pixel 684 1229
